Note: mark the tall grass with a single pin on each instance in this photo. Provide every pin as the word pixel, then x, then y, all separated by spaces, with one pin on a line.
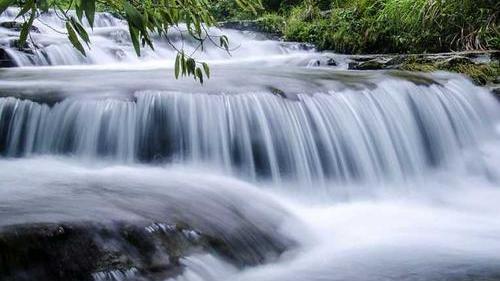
pixel 354 26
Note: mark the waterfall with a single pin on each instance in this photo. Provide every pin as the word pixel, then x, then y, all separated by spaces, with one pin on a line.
pixel 283 165
pixel 393 131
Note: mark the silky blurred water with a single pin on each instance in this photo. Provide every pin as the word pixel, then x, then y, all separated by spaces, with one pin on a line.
pixel 367 175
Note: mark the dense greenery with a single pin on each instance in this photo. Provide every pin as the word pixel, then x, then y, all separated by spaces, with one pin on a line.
pixel 388 26
pixel 144 18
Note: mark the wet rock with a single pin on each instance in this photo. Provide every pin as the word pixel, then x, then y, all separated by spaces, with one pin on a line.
pixel 17 26
pixel 496 90
pixel 280 93
pixel 5 59
pixel 395 61
pixel 28 47
pixel 82 251
pixel 139 250
pixel 367 65
pixel 452 62
pixel 331 62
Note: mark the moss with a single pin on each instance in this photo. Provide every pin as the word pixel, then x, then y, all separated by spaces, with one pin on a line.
pixel 480 73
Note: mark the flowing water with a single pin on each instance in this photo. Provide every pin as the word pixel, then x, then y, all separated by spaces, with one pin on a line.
pixel 373 175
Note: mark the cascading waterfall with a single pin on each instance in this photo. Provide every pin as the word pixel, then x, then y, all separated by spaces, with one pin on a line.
pixel 392 131
pixel 301 173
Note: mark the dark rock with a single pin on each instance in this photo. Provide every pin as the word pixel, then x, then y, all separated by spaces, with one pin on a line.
pixel 367 65
pixel 495 56
pixel 280 93
pixel 148 251
pixel 6 60
pixel 352 65
pixel 17 26
pixel 331 62
pixel 496 91
pixel 79 251
pixel 396 61
pixel 28 47
pixel 315 63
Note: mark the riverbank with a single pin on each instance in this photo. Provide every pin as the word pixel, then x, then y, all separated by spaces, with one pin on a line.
pixel 423 35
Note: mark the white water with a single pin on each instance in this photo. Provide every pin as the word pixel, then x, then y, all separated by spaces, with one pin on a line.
pixel 376 176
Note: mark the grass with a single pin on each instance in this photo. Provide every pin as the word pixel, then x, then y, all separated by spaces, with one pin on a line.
pixel 388 26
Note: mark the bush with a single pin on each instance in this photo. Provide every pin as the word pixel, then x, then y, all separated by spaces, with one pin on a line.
pixel 272 23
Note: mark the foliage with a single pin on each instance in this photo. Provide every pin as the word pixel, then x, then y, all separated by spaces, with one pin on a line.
pixel 144 19
pixel 272 23
pixel 402 26
pixel 480 73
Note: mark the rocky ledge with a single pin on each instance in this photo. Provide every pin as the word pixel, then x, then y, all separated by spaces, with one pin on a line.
pixel 482 67
pixel 119 251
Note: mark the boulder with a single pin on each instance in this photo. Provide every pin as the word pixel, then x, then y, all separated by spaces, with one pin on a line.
pixel 331 62
pixel 17 26
pixel 82 251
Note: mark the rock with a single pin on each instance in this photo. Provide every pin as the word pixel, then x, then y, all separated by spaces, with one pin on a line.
pixel 5 59
pixel 17 26
pixel 496 91
pixel 331 62
pixel 28 47
pixel 80 251
pixel 138 250
pixel 280 93
pixel 396 61
pixel 452 62
pixel 367 65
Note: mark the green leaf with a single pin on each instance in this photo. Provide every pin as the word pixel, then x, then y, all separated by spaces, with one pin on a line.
pixel 80 30
pixel 43 5
pixel 73 38
pixel 133 16
pixel 134 36
pixel 4 4
pixel 199 74
pixel 207 69
pixel 184 64
pixel 79 9
pixel 191 65
pixel 177 65
pixel 26 7
pixel 89 8
pixel 25 30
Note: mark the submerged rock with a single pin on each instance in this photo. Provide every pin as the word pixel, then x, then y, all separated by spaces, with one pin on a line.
pixel 17 26
pixel 5 59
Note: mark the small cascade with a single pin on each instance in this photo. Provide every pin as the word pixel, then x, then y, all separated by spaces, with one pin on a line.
pixel 49 45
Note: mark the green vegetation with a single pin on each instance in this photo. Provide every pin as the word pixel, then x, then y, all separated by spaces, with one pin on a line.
pixel 388 26
pixel 481 74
